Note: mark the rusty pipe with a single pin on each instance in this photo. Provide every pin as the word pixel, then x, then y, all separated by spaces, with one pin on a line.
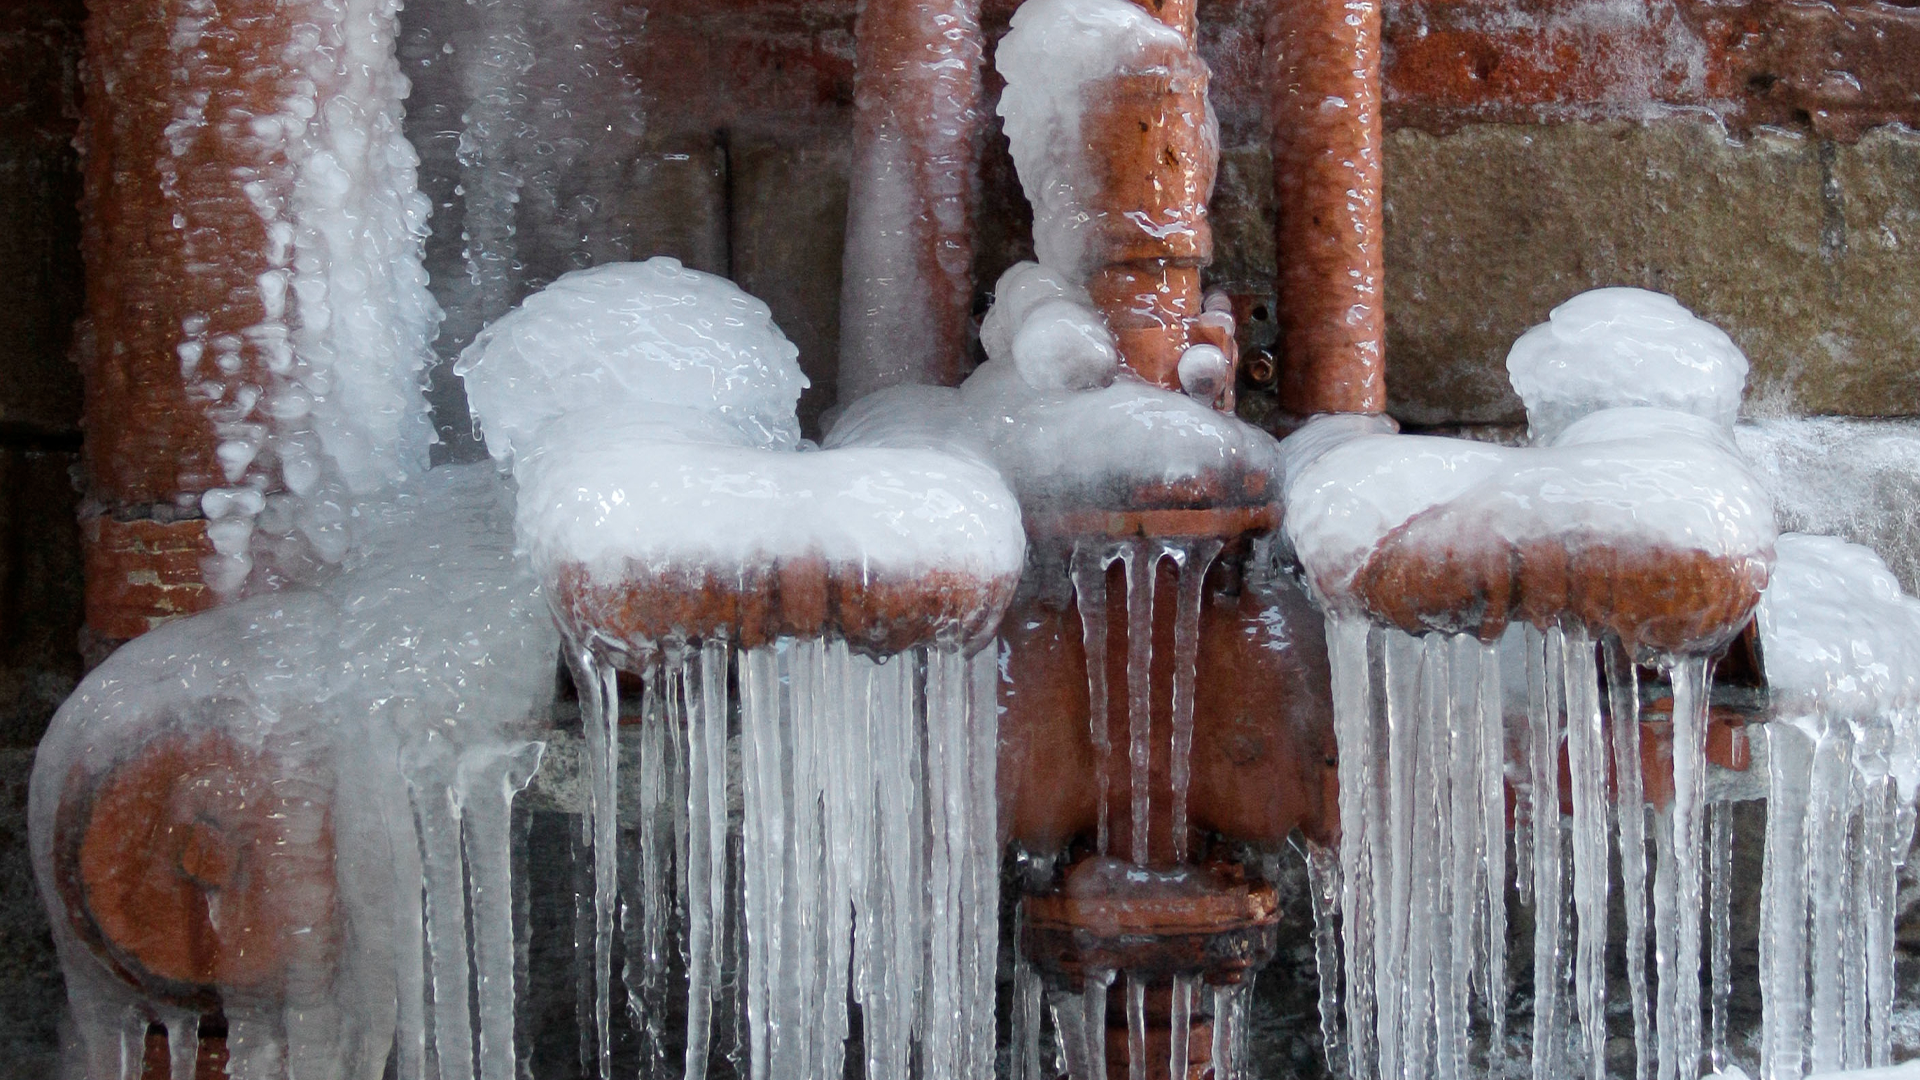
pixel 1154 153
pixel 1323 109
pixel 907 298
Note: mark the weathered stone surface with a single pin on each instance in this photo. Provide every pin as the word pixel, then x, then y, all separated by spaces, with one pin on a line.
pixel 1799 248
pixel 40 589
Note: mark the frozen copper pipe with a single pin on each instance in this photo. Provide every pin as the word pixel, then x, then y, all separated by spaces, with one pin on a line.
pixel 1424 579
pixel 793 598
pixel 907 296
pixel 170 237
pixel 187 827
pixel 1323 105
pixel 1154 153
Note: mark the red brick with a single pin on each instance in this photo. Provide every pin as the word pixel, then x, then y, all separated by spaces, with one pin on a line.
pixel 142 573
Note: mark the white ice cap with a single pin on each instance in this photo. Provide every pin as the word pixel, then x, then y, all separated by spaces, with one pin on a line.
pixel 1616 347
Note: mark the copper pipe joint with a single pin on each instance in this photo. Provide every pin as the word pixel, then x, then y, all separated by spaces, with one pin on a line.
pixel 1427 576
pixel 1205 921
pixel 1153 153
pixel 791 598
pixel 1261 761
pixel 1323 106
pixel 197 866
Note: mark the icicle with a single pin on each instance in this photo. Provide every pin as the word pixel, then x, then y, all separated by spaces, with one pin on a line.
pixel 1323 878
pixel 1543 709
pixel 1359 817
pixel 1027 1001
pixel 1623 708
pixel 947 845
pixel 1090 594
pixel 1195 560
pixel 1827 811
pixel 1180 1018
pixel 983 732
pixel 1493 819
pixel 490 778
pixel 1136 1028
pixel 1393 975
pixel 798 1008
pixel 1429 1011
pixel 846 794
pixel 183 1045
pixel 706 892
pixel 1587 765
pixel 1225 1065
pixel 1783 902
pixel 1465 850
pixel 903 888
pixel 1853 929
pixel 1719 907
pixel 644 915
pixel 1690 687
pixel 1093 1022
pixel 1882 860
pixel 765 841
pixel 437 811
pixel 1142 561
pixel 599 722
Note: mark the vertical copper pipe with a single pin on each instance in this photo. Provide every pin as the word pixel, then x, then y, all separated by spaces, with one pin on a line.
pixel 174 251
pixel 907 292
pixel 1323 71
pixel 1155 154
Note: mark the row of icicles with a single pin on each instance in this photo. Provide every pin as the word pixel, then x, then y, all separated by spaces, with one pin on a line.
pixel 841 876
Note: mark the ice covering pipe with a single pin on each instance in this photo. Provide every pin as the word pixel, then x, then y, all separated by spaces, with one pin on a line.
pixel 257 317
pixel 1323 105
pixel 907 296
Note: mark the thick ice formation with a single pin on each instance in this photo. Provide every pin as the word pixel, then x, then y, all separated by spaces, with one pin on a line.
pixel 1594 536
pixel 339 414
pixel 1055 59
pixel 647 411
pixel 421 669
pixel 629 334
pixel 1637 479
pixel 1611 348
pixel 1842 649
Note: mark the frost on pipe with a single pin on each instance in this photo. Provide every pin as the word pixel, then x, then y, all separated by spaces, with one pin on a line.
pixel 1630 515
pixel 1630 533
pixel 1116 146
pixel 1842 645
pixel 224 813
pixel 908 291
pixel 648 412
pixel 685 533
pixel 259 316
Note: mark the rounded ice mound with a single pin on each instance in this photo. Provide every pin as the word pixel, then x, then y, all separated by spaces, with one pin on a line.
pixel 1618 347
pixel 1024 286
pixel 653 332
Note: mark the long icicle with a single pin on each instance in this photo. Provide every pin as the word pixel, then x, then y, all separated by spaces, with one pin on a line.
pixel 1690 688
pixel 1587 766
pixel 706 848
pixel 599 691
pixel 1623 707
pixel 490 778
pixel 1195 560
pixel 1090 595
pixel 1493 819
pixel 1142 562
pixel 1544 713
pixel 1325 885
pixel 1354 738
